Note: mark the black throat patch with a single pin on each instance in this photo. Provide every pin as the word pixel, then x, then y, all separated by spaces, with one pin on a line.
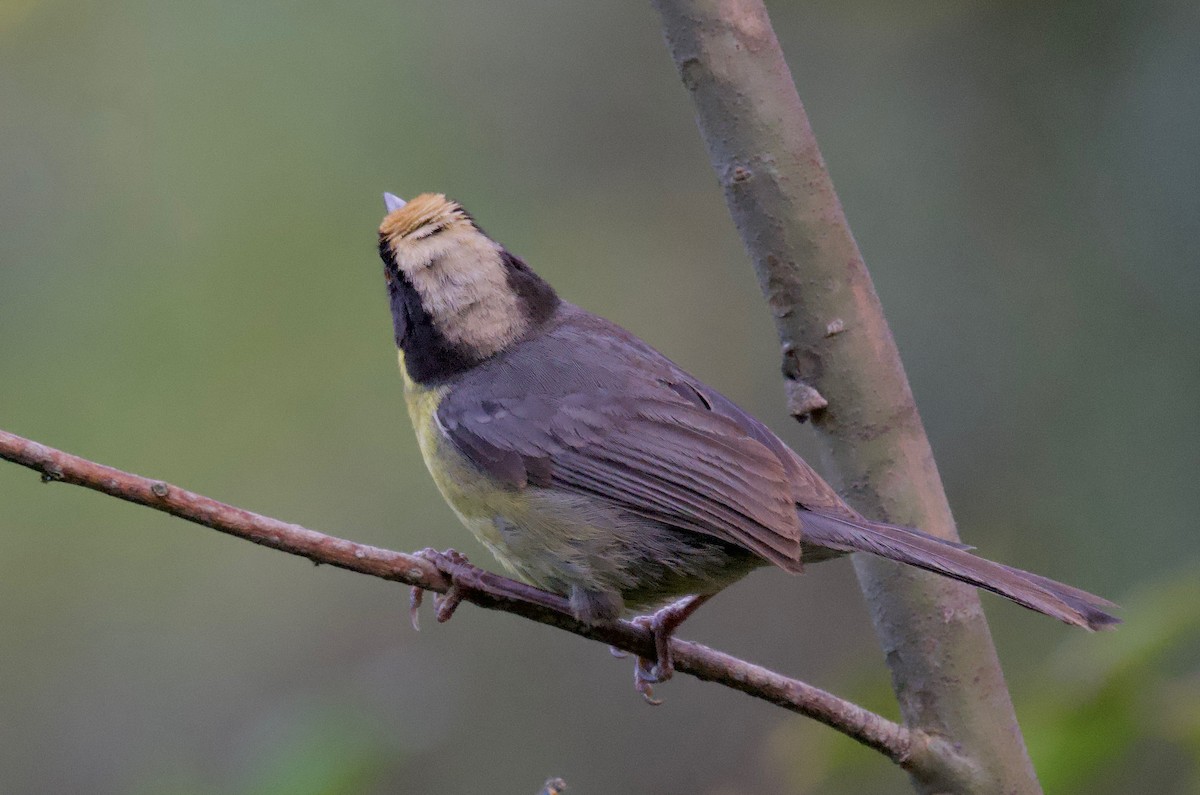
pixel 428 356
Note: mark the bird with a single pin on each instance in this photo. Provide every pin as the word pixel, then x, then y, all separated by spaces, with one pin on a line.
pixel 594 467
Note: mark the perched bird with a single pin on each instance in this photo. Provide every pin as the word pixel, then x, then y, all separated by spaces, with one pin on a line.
pixel 594 467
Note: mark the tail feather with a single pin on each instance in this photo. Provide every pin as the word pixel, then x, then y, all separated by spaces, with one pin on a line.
pixel 950 559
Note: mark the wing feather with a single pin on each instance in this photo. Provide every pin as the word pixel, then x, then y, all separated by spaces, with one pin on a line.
pixel 630 429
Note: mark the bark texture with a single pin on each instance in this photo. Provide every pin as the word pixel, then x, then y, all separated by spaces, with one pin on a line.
pixel 839 351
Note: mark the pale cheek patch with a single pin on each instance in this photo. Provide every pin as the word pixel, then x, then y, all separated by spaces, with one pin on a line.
pixel 466 293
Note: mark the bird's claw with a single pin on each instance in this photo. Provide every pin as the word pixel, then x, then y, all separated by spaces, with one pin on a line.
pixel 447 563
pixel 662 625
pixel 415 596
pixel 662 667
pixel 446 603
pixel 647 673
pixel 645 676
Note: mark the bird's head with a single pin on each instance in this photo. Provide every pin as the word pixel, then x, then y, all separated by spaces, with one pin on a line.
pixel 458 297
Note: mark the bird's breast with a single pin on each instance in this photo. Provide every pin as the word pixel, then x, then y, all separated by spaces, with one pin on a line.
pixel 469 492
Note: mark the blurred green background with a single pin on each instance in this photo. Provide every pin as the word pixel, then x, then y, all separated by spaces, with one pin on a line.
pixel 189 289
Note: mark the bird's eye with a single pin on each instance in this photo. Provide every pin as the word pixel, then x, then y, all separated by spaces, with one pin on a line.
pixel 437 230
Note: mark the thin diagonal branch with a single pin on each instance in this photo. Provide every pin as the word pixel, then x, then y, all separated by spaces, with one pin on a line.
pixel 924 755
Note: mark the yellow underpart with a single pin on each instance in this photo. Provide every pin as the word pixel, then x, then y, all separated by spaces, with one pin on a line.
pixel 472 496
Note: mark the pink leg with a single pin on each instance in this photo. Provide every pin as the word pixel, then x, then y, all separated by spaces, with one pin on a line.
pixel 662 624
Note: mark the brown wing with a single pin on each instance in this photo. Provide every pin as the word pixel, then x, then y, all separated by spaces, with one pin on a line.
pixel 583 409
pixel 808 489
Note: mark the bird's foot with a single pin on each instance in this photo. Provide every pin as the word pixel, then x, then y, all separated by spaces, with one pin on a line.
pixel 449 563
pixel 645 676
pixel 662 625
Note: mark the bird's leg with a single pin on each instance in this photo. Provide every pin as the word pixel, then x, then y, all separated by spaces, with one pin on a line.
pixel 662 625
pixel 448 563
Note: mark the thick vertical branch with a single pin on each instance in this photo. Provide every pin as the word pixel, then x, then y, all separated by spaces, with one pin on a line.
pixel 838 348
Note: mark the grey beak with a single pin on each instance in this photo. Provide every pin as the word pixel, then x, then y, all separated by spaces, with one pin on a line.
pixel 393 203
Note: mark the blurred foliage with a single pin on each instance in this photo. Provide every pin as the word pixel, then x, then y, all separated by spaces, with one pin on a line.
pixel 314 752
pixel 189 289
pixel 1114 717
pixel 1103 708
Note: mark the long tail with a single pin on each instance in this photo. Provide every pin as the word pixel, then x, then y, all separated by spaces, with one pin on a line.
pixel 952 560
